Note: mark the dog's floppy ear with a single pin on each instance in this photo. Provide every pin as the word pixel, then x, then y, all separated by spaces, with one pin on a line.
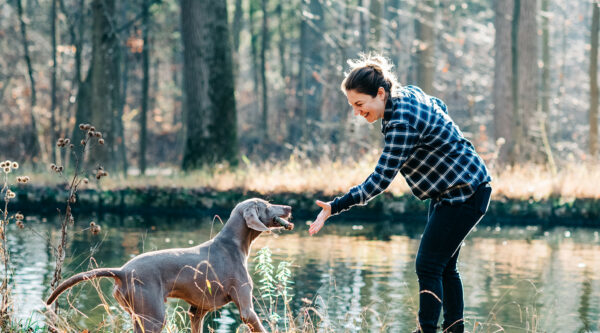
pixel 252 220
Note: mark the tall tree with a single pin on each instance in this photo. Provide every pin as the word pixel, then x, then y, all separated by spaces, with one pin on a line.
pixel 502 92
pixel 312 42
pixel 425 34
pixel 263 71
pixel 145 85
pixel 33 146
pixel 104 81
pixel 210 111
pixel 593 116
pixel 375 25
pixel 53 72
pixel 528 78
pixel 363 22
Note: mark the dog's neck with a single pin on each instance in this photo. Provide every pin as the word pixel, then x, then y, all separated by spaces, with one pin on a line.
pixel 236 230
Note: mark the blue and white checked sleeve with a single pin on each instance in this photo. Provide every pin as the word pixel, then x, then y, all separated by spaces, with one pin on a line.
pixel 400 138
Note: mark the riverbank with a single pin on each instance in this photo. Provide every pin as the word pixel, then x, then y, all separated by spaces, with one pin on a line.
pixel 204 201
pixel 528 194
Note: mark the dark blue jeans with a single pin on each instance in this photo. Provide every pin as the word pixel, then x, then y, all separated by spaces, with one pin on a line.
pixel 439 280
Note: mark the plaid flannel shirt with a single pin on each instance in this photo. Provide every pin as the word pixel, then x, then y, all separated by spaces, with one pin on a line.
pixel 424 144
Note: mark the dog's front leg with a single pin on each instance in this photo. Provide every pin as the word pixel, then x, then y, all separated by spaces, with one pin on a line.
pixel 243 300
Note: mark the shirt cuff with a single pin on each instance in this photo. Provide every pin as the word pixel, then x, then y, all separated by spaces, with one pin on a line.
pixel 342 203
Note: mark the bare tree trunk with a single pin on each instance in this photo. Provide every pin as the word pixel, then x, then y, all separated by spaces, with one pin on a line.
pixel 594 81
pixel 503 92
pixel 376 15
pixel 263 71
pixel 425 35
pixel 237 25
pixel 254 48
pixel 209 85
pixel 363 26
pixel 145 86
pixel 53 70
pixel 105 87
pixel 34 145
pixel 528 80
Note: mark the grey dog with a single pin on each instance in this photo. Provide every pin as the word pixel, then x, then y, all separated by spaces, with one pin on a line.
pixel 207 276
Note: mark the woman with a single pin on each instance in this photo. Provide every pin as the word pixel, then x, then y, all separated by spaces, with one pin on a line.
pixel 438 163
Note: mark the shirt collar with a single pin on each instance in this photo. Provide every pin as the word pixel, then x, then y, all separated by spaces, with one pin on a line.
pixel 387 114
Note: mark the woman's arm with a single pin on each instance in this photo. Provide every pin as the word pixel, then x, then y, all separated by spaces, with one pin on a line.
pixel 400 139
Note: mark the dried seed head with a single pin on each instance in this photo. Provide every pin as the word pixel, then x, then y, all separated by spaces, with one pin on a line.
pixel 91 133
pixel 19 216
pixel 85 180
pixel 82 127
pixel 101 141
pixel 92 128
pixel 83 142
pixel 2 165
pixel 98 176
pixel 95 230
pixel 20 224
pixel 6 169
pixel 60 168
pixel 15 165
pixel 98 134
pixel 72 146
pixel 86 127
pixel 92 224
pixel 67 141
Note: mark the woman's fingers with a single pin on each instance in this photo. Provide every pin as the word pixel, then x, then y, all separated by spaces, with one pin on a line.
pixel 322 204
pixel 320 220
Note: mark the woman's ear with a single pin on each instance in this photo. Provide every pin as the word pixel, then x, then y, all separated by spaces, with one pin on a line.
pixel 381 93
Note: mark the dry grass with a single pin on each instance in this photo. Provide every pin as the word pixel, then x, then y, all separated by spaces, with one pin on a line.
pixel 575 180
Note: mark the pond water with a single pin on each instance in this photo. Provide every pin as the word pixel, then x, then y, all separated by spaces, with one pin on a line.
pixel 357 277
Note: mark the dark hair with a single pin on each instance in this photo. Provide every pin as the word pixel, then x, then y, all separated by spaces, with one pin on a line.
pixel 368 73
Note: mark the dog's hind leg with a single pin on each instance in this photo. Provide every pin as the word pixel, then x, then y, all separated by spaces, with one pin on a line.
pixel 197 318
pixel 148 312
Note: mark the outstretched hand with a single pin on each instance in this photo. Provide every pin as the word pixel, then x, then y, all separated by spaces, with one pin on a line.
pixel 321 218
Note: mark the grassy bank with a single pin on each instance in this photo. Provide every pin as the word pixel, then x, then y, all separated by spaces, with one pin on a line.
pixel 527 192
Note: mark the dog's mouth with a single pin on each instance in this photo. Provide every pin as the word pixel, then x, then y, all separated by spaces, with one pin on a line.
pixel 283 221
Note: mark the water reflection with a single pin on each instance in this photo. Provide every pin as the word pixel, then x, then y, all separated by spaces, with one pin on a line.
pixel 359 280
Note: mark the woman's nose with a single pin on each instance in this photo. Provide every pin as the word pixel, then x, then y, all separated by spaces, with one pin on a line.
pixel 356 112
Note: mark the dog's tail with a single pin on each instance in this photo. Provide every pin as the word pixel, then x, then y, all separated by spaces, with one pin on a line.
pixel 114 273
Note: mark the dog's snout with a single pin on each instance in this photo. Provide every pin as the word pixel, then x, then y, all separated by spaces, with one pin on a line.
pixel 287 209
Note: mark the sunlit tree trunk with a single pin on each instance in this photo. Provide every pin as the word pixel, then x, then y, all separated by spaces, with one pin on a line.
pixel 593 145
pixel 210 113
pixel 375 26
pixel 503 92
pixel 528 78
pixel 425 34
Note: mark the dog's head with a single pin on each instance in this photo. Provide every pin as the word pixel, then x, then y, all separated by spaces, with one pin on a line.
pixel 260 215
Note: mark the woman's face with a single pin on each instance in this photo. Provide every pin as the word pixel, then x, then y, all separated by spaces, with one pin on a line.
pixel 371 108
